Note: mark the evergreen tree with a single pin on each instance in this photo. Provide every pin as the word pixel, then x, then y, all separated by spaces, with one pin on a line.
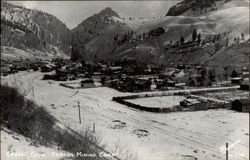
pixel 194 35
pixel 211 76
pixel 199 38
pixel 116 37
pixel 227 42
pixel 218 37
pixel 234 74
pixel 235 39
pixel 182 40
pixel 103 80
pixel 242 36
pixel 238 39
pixel 203 79
pixel 214 39
pixel 75 55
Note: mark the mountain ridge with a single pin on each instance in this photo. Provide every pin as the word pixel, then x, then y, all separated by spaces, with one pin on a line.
pixel 27 29
pixel 99 28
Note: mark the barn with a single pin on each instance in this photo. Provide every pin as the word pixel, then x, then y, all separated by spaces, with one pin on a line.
pixel 241 105
pixel 236 80
pixel 87 83
pixel 245 85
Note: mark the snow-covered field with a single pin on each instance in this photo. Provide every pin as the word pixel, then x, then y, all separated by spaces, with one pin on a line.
pixel 147 136
pixel 11 53
pixel 158 102
pixel 77 84
pixel 229 95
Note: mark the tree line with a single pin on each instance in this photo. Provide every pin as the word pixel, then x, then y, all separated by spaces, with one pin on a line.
pixel 15 25
pixel 130 36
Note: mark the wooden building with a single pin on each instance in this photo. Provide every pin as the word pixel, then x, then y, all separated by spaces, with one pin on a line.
pixel 134 85
pixel 61 75
pixel 87 83
pixel 164 84
pixel 241 105
pixel 236 80
pixel 245 85
pixel 46 68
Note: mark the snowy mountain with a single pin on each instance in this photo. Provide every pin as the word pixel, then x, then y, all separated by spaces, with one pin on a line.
pixel 93 38
pixel 225 16
pixel 199 7
pixel 28 29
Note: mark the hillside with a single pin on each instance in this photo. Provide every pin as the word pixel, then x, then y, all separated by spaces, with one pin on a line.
pixel 199 7
pixel 33 31
pixel 16 143
pixel 235 55
pixel 93 38
pixel 108 36
pixel 234 21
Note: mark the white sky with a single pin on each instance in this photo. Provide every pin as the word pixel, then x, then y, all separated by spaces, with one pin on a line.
pixel 74 12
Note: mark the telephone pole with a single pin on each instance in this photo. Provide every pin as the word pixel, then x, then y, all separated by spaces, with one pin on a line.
pixel 79 110
pixel 226 151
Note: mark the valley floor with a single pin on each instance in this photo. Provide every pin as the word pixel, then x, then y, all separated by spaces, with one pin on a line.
pixel 141 135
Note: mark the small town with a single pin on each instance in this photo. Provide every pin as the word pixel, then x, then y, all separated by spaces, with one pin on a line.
pixel 127 86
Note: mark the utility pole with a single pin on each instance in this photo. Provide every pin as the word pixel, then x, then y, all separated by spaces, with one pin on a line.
pixel 93 127
pixel 79 110
pixel 33 92
pixel 226 151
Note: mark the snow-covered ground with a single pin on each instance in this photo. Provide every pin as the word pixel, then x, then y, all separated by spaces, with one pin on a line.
pixel 231 17
pixel 11 53
pixel 229 95
pixel 158 102
pixel 158 136
pixel 234 20
pixel 17 147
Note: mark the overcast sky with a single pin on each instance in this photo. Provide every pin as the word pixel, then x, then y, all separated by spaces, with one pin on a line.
pixel 74 12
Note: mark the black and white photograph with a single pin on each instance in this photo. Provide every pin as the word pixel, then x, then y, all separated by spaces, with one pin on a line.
pixel 125 80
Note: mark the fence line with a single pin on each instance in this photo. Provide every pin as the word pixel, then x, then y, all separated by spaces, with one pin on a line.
pixel 205 103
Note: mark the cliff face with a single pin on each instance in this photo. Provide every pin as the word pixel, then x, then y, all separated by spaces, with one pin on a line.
pixel 194 7
pixel 202 7
pixel 32 29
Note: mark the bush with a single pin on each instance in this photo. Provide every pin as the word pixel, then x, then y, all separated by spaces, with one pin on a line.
pixel 24 116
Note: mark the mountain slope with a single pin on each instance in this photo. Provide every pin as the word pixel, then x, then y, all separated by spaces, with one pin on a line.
pixel 236 55
pixel 93 38
pixel 26 29
pixel 199 7
pixel 190 5
pixel 234 21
